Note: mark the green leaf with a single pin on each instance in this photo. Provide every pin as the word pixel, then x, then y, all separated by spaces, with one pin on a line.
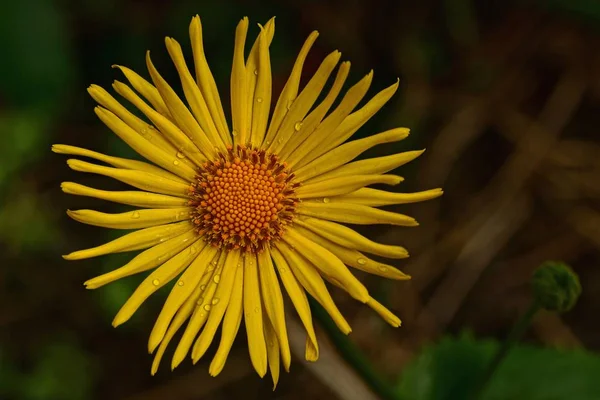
pixel 451 369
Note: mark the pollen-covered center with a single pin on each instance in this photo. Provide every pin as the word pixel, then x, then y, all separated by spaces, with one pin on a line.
pixel 243 199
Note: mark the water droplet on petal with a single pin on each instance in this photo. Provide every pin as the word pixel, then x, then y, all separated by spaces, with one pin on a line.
pixel 382 268
pixel 180 154
pixel 256 310
pixel 215 301
pixel 289 104
pixel 282 270
pixel 193 249
pixel 361 261
pixel 207 307
pixel 255 72
pixel 135 215
pixel 326 200
pixel 156 282
pixel 175 162
pixel 202 287
pixel 180 283
pixel 217 278
pixel 259 100
pixel 234 132
pixel 297 126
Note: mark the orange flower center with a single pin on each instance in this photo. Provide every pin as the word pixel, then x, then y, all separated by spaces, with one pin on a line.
pixel 244 199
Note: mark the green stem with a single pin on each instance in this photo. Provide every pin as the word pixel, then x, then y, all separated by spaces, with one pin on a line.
pixel 353 355
pixel 513 337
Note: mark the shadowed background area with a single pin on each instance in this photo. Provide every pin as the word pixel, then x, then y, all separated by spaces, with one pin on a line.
pixel 505 96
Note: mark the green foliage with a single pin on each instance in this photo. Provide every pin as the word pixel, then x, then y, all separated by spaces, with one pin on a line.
pixel 450 370
pixel 555 286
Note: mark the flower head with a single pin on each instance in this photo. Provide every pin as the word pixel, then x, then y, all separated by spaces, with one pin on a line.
pixel 228 215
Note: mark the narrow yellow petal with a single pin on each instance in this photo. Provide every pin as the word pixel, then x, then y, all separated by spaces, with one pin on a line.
pixel 201 312
pixel 312 121
pixel 253 317
pixel 348 237
pixel 300 302
pixel 142 146
pixel 218 305
pixel 182 315
pixel 118 162
pixel 272 351
pixel 184 144
pixel 157 279
pixel 146 260
pixel 238 86
pixel 347 152
pixel 290 90
pixel 147 131
pixel 132 198
pixel 376 198
pixel 304 102
pixel 181 115
pixel 353 214
pixel 353 258
pixel 350 125
pixel 386 314
pixel 330 125
pixel 339 185
pixel 146 89
pixel 231 323
pixel 137 240
pixel 261 96
pixel 311 280
pixel 139 179
pixel 193 94
pixel 326 262
pixel 186 285
pixel 206 82
pixel 273 303
pixel 137 219
pixel 378 165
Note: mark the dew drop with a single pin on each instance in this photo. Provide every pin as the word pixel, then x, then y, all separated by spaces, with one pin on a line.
pixel 297 126
pixel 215 301
pixel 289 104
pixel 175 162
pixel 259 100
pixel 135 215
pixel 234 132
pixel 361 261
pixel 180 283
pixel 256 310
pixel 282 270
pixel 268 142
pixel 255 72
pixel 214 263
pixel 193 249
pixel 202 287
pixel 207 307
pixel 180 155
pixel 326 200
pixel 144 132
pixel 199 301
pixel 217 278
pixel 156 282
pixel 382 268
pixel 279 140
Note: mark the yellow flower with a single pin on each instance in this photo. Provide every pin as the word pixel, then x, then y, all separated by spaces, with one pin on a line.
pixel 230 214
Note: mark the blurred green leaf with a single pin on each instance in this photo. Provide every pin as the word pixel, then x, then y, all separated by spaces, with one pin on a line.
pixel 451 369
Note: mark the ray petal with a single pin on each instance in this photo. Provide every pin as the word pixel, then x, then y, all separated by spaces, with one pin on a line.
pixel 376 198
pixel 339 185
pixel 137 219
pixel 261 96
pixel 353 214
pixel 253 317
pixel 272 351
pixel 238 85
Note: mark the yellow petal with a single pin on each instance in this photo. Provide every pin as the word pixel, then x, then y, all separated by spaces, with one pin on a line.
pixel 147 131
pixel 206 82
pixel 290 90
pixel 142 146
pixel 354 258
pixel 231 323
pixel 386 314
pixel 348 237
pixel 139 179
pixel 309 278
pixel 186 284
pixel 303 103
pixel 238 86
pixel 253 317
pixel 146 260
pixel 353 214
pixel 350 125
pixel 347 152
pixel 327 263
pixel 118 162
pixel 330 125
pixel 218 305
pixel 272 351
pixel 376 198
pixel 339 185
pixel 193 94
pixel 378 165
pixel 298 297
pixel 273 303
pixel 137 240
pixel 181 115
pixel 137 219
pixel 184 144
pixel 315 117
pixel 132 198
pixel 200 314
pixel 146 89
pixel 157 279
pixel 183 313
pixel 261 96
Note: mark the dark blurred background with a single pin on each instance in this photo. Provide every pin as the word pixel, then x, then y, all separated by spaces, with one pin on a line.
pixel 504 95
